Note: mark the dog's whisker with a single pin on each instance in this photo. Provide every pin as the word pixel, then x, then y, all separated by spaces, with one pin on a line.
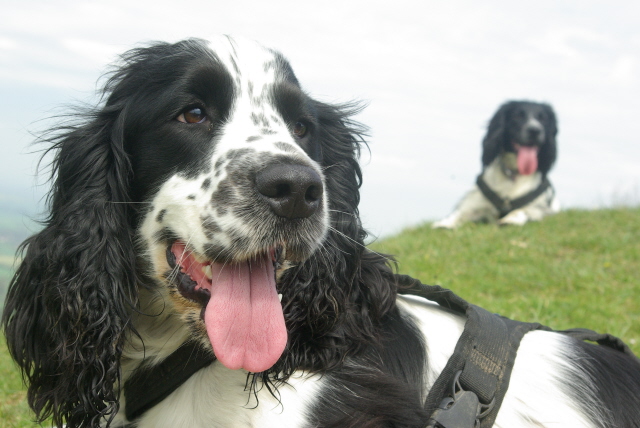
pixel 359 244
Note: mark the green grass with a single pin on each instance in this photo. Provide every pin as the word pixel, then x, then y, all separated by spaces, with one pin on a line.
pixel 14 412
pixel 575 269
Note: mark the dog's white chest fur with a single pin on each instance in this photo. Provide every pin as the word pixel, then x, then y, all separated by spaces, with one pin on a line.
pixel 217 398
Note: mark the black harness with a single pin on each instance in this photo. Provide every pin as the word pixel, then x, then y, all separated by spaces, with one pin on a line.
pixel 469 391
pixel 148 387
pixel 467 394
pixel 505 205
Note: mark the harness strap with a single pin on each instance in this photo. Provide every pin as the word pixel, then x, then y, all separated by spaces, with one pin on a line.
pixel 481 362
pixel 471 387
pixel 505 205
pixel 147 387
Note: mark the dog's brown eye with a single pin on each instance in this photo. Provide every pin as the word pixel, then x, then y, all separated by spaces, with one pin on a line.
pixel 192 115
pixel 299 129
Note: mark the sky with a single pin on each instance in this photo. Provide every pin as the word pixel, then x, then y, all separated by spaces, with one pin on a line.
pixel 431 73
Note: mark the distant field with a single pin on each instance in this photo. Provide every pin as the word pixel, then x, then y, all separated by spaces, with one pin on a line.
pixel 576 269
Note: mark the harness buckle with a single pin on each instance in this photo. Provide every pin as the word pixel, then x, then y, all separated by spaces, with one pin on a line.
pixel 461 410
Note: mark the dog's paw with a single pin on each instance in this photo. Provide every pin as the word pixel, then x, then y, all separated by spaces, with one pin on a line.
pixel 445 223
pixel 514 218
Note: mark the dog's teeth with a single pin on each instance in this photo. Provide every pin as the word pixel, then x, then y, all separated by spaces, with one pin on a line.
pixel 280 297
pixel 206 269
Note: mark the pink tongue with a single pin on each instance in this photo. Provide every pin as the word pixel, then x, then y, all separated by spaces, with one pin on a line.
pixel 244 317
pixel 527 160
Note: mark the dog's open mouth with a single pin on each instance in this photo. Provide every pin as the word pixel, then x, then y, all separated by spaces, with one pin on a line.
pixel 241 307
pixel 527 158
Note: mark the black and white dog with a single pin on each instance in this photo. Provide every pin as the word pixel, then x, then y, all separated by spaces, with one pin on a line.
pixel 518 152
pixel 210 201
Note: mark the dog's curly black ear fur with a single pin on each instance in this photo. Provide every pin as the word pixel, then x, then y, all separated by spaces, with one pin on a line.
pixel 66 311
pixel 549 150
pixel 339 295
pixel 494 140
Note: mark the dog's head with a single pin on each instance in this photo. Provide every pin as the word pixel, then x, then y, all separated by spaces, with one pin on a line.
pixel 211 179
pixel 526 129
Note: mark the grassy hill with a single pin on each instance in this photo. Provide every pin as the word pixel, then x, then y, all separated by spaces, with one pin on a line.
pixel 575 269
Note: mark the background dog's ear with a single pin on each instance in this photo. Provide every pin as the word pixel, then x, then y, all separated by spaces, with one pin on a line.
pixel 67 306
pixel 549 150
pixel 494 140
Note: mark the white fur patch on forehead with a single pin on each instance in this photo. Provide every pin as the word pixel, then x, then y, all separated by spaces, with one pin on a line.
pixel 253 120
pixel 252 65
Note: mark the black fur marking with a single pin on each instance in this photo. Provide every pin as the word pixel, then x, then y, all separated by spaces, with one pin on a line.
pixel 219 163
pixel 254 138
pixel 206 184
pixel 285 147
pixel 210 225
pixel 219 253
pixel 276 120
pixel 161 215
pixel 191 197
pixel 380 387
pixel 223 196
pixel 236 69
pixel 616 377
pixel 168 77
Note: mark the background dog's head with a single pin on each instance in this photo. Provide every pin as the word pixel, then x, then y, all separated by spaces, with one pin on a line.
pixel 207 160
pixel 528 130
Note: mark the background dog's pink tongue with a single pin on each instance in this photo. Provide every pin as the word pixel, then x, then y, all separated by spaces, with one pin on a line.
pixel 244 317
pixel 527 160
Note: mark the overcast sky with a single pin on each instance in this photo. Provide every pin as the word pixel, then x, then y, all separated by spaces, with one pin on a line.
pixel 432 73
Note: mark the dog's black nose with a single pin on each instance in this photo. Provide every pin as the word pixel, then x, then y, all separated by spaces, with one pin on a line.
pixel 292 191
pixel 533 132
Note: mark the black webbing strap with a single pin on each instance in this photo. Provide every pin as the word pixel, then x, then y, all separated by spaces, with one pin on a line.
pixel 148 387
pixel 505 205
pixel 602 339
pixel 473 383
pixel 481 363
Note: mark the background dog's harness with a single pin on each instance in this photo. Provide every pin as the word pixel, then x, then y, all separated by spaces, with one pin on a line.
pixel 506 205
pixel 467 394
pixel 469 391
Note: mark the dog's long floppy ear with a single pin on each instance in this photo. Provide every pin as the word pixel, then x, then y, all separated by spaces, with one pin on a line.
pixel 67 307
pixel 338 295
pixel 549 150
pixel 494 141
